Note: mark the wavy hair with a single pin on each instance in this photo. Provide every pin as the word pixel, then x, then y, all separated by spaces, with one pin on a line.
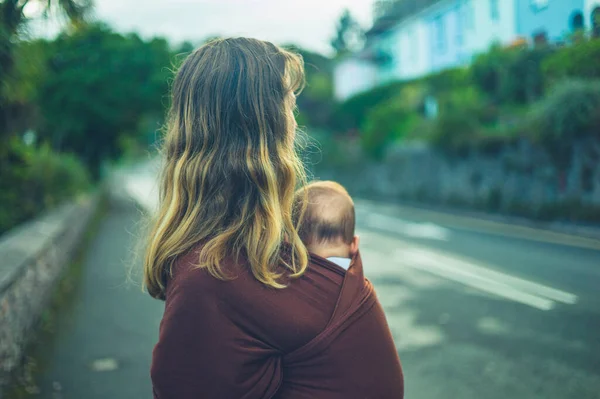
pixel 230 164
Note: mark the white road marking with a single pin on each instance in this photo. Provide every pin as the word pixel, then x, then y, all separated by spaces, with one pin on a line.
pixel 484 279
pixel 395 225
pixel 107 364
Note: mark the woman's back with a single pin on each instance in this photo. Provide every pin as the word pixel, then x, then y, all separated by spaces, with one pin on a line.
pixel 284 327
pixel 321 337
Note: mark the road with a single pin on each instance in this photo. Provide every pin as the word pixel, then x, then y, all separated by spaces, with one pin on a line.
pixel 485 310
pixel 477 309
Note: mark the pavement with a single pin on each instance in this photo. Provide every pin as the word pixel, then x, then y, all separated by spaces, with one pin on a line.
pixel 103 344
pixel 478 309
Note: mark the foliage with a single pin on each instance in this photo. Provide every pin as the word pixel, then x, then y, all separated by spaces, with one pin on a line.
pixel 463 115
pixel 571 110
pixel 181 52
pixel 12 19
pixel 34 179
pixel 99 86
pixel 348 35
pixel 351 114
pixel 510 75
pixel 316 101
pixel 447 80
pixel 580 60
pixel 21 90
pixel 392 120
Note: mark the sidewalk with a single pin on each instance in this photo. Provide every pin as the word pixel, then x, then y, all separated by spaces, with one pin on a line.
pixel 103 347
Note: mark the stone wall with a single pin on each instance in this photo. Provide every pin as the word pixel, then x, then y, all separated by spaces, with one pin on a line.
pixel 521 179
pixel 32 257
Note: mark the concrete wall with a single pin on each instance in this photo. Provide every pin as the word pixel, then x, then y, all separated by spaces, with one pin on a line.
pixel 550 16
pixel 520 179
pixel 32 258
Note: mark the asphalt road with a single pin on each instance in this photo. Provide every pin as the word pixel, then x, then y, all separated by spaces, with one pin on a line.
pixel 477 309
pixel 485 310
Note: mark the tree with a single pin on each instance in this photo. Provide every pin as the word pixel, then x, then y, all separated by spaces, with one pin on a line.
pixel 12 18
pixel 348 36
pixel 316 101
pixel 100 87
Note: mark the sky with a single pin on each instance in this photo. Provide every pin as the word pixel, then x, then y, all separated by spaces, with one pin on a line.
pixel 307 23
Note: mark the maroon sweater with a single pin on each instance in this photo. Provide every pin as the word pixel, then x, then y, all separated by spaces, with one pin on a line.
pixel 325 336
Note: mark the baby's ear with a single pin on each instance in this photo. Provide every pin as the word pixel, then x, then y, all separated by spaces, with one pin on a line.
pixel 354 245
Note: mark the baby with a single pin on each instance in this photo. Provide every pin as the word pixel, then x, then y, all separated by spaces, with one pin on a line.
pixel 327 226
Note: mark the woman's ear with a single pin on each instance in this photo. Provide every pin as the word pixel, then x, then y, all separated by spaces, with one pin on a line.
pixel 354 245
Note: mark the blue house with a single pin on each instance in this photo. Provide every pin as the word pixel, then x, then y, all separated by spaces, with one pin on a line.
pixel 552 21
pixel 459 29
pixel 446 35
pixel 418 37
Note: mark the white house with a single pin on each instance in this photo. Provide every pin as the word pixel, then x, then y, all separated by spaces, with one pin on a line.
pixel 353 75
pixel 412 48
pixel 489 21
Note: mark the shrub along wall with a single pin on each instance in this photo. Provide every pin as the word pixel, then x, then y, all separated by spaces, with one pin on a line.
pixel 33 179
pixel 489 101
pixel 530 149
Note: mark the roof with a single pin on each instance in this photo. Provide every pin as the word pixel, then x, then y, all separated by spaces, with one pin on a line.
pixel 399 10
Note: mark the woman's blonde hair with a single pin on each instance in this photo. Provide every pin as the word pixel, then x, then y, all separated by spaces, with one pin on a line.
pixel 231 167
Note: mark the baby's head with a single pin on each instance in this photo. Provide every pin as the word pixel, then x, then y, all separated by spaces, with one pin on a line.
pixel 327 225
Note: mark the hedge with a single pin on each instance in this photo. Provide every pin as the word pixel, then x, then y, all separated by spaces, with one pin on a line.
pixel 35 179
pixel 352 113
pixel 580 60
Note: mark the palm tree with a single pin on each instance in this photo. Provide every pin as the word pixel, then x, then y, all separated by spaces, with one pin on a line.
pixel 12 18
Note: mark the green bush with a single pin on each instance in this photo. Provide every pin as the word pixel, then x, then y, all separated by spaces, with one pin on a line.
pixel 352 113
pixel 447 80
pixel 392 120
pixel 463 116
pixel 571 110
pixel 581 60
pixel 387 123
pixel 35 179
pixel 511 75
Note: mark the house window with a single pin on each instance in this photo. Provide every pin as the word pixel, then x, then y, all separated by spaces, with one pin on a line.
pixel 540 38
pixel 440 33
pixel 576 21
pixel 494 10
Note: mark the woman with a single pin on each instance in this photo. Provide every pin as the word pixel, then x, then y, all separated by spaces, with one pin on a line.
pixel 249 313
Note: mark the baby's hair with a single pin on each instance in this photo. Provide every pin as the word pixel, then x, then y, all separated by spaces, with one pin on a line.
pixel 329 215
